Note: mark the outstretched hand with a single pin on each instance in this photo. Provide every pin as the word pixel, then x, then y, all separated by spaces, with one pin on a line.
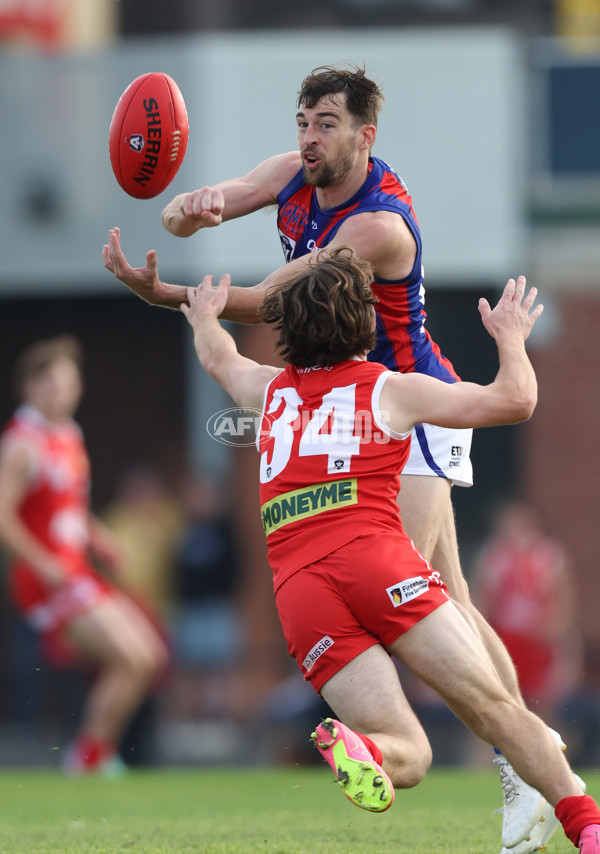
pixel 514 312
pixel 206 300
pixel 143 281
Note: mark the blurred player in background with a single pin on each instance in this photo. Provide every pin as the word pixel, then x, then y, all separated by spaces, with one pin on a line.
pixel 524 586
pixel 335 434
pixel 46 524
pixel 333 192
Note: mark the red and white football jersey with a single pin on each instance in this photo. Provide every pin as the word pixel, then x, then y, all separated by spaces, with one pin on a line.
pixel 329 465
pixel 55 507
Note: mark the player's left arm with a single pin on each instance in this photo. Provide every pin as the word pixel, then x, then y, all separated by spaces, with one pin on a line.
pixel 413 398
pixel 510 398
pixel 243 379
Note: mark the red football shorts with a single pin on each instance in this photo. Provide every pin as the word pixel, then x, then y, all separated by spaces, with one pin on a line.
pixel 371 590
pixel 49 610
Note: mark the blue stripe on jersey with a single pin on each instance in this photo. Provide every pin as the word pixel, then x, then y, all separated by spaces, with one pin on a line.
pixel 384 351
pixel 420 433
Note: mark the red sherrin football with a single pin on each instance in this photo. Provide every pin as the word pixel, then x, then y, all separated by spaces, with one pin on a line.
pixel 148 135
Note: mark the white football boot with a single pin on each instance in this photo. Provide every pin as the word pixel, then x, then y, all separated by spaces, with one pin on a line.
pixel 523 805
pixel 542 831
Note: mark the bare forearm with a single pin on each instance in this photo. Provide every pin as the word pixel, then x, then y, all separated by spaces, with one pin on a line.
pixel 243 304
pixel 214 346
pixel 162 295
pixel 239 199
pixel 511 397
pixel 516 380
pixel 208 207
pixel 243 379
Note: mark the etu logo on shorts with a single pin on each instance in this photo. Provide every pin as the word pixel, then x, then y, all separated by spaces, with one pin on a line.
pixel 456 454
pixel 408 589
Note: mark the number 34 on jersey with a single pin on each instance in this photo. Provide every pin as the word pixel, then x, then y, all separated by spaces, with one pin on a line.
pixel 333 431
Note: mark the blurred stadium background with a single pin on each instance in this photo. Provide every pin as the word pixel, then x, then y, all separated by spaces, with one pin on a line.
pixel 492 117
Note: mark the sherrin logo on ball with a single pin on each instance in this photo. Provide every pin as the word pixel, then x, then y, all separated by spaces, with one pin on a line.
pixel 148 135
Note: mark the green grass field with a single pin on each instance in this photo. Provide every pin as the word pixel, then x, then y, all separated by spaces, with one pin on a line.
pixel 272 811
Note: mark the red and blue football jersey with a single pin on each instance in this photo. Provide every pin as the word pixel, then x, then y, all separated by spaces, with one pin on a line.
pixel 403 343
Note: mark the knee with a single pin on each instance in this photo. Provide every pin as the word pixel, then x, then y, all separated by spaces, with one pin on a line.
pixel 158 658
pixel 145 661
pixel 162 659
pixel 413 773
pixel 420 765
pixel 154 660
pixel 412 763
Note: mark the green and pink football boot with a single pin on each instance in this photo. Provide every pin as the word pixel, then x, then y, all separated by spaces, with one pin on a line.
pixel 363 780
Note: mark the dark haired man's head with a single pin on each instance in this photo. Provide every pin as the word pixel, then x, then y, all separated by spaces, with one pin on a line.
pixel 363 97
pixel 324 315
pixel 336 127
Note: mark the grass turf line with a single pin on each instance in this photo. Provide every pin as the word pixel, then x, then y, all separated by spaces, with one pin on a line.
pixel 243 811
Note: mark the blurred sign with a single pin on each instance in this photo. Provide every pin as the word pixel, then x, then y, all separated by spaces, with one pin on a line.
pixel 37 22
pixel 55 24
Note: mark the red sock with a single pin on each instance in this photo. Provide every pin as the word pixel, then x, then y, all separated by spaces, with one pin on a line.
pixel 575 813
pixel 373 749
pixel 93 750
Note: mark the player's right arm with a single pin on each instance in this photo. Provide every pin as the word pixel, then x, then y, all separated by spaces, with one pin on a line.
pixel 243 379
pixel 208 207
pixel 16 460
pixel 205 208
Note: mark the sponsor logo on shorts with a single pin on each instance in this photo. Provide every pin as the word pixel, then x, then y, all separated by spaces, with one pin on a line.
pixel 436 578
pixel 303 503
pixel 456 452
pixel 316 652
pixel 406 590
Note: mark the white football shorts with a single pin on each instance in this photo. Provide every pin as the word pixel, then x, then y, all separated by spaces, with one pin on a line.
pixel 441 452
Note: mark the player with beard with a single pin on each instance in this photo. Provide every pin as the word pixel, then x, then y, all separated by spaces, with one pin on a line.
pixel 333 191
